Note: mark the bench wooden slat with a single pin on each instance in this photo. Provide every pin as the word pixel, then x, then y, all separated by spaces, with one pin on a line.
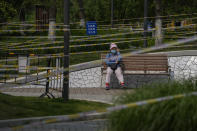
pixel 148 66
pixel 141 58
pixel 125 59
pixel 145 66
pixel 142 73
pixel 143 55
pixel 145 69
pixel 145 63
pixel 137 59
pixel 163 73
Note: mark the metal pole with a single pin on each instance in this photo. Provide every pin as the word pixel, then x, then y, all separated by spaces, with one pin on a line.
pixel 48 77
pixel 112 13
pixel 65 92
pixel 145 22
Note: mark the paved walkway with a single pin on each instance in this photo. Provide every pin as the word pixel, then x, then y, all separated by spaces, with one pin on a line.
pixel 93 125
pixel 91 94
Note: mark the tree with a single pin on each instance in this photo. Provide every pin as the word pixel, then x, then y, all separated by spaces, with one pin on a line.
pixel 7 11
pixel 81 13
pixel 22 8
pixel 158 23
pixel 52 20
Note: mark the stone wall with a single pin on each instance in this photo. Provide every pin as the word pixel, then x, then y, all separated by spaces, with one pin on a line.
pixel 182 67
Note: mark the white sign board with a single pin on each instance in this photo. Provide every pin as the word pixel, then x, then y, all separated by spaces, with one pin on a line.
pixel 23 63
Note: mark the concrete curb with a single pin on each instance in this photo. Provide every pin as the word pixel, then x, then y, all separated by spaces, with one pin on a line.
pixel 178 53
pixel 25 121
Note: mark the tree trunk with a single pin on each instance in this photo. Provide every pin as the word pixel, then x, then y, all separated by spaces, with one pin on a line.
pixel 22 20
pixel 81 13
pixel 52 20
pixel 158 24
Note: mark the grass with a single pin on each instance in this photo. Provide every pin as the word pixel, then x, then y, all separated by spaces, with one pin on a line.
pixel 174 115
pixel 21 107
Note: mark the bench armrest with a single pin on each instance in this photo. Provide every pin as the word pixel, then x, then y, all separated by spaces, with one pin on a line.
pixel 169 68
pixel 102 67
pixel 171 73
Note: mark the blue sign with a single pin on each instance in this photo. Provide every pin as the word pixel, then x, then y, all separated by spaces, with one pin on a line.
pixel 149 25
pixel 91 27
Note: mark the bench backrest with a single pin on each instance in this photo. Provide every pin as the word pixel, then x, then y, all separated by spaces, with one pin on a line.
pixel 143 62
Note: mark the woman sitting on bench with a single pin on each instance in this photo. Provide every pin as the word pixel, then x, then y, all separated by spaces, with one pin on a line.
pixel 113 65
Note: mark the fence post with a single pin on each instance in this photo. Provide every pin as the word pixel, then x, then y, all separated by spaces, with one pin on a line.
pixel 112 13
pixel 145 22
pixel 47 93
pixel 48 73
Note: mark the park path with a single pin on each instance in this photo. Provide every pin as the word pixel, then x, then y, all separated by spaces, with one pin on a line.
pixel 90 94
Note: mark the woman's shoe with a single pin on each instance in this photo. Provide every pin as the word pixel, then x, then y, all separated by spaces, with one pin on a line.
pixel 107 88
pixel 122 85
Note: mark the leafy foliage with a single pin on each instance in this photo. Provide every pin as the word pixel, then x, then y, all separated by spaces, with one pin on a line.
pixel 7 11
pixel 174 115
pixel 99 10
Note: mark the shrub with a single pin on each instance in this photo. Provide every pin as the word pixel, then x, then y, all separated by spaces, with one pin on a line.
pixel 174 115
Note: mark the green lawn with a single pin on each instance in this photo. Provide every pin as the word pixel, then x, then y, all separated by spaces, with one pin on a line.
pixel 20 107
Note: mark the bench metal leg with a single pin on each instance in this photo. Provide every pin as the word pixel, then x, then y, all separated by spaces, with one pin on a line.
pixel 101 80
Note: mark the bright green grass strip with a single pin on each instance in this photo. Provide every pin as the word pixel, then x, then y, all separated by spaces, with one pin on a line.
pixel 19 107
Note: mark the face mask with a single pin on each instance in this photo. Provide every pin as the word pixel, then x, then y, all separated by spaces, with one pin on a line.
pixel 113 51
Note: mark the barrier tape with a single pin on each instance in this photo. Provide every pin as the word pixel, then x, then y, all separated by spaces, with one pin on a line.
pixel 162 16
pixel 38 48
pixel 85 37
pixel 158 16
pixel 59 42
pixel 112 35
pixel 109 35
pixel 56 42
pixel 37 81
pixel 60 55
pixel 22 30
pixel 51 74
pixel 32 57
pixel 7 47
pixel 134 39
pixel 42 37
pixel 9 23
pixel 31 68
pixel 47 30
pixel 77 40
pixel 40 83
pixel 8 44
pixel 29 44
pixel 84 45
pixel 72 46
pixel 106 111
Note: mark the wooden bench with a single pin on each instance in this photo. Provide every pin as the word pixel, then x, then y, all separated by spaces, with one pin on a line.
pixel 142 64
